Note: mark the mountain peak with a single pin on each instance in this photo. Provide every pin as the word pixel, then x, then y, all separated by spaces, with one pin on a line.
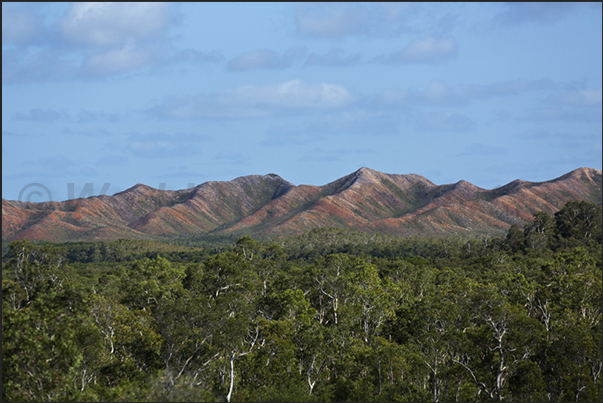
pixel 590 173
pixel 365 170
pixel 364 175
pixel 463 184
pixel 366 200
pixel 139 188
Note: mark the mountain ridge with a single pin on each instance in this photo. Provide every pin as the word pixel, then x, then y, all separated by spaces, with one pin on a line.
pixel 268 205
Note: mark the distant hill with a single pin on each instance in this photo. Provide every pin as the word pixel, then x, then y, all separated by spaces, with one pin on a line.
pixel 268 205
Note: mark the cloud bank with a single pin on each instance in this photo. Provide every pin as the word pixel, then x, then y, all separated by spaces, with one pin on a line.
pixel 252 101
pixel 89 41
pixel 266 59
pixel 425 50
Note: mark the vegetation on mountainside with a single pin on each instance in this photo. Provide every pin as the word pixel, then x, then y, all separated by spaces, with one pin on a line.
pixel 329 315
pixel 267 205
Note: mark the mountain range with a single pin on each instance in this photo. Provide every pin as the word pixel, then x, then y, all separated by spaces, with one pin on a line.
pixel 268 205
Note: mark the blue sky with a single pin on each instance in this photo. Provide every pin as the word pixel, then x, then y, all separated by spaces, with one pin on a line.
pixel 98 97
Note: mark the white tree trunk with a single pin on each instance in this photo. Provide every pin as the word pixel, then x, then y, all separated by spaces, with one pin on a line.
pixel 230 388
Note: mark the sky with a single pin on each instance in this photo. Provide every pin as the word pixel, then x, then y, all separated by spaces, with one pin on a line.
pixel 97 97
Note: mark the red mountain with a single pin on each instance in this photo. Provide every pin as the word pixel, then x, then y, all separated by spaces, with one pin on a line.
pixel 366 200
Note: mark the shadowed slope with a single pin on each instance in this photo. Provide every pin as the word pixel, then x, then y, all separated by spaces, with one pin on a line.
pixel 268 205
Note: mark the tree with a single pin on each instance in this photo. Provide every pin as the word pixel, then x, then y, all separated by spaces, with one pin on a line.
pixel 516 238
pixel 328 286
pixel 132 346
pixel 40 357
pixel 539 234
pixel 579 221
pixel 313 342
pixel 186 325
pixel 242 345
pixel 149 281
pixel 13 295
pixel 36 269
pixel 495 342
pixel 570 296
pixel 371 299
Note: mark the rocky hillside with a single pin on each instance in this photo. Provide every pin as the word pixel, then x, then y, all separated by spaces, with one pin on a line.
pixel 268 205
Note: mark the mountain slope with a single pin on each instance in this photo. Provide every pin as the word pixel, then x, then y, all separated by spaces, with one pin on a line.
pixel 268 205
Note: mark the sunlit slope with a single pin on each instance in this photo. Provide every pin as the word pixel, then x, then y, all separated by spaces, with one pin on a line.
pixel 268 205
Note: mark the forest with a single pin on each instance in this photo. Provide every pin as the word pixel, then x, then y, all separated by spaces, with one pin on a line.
pixel 328 315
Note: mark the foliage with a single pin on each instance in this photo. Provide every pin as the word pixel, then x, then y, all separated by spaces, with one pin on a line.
pixel 330 315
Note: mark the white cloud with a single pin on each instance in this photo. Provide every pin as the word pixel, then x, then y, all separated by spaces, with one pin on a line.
pixel 333 21
pixel 506 88
pixel 440 94
pixel 121 36
pixel 562 112
pixel 86 116
pixel 21 65
pixel 294 94
pixel 429 50
pixel 252 101
pixel 114 24
pixel 53 166
pixel 87 133
pixel 340 20
pixel 341 122
pixel 193 56
pixel 229 158
pixel 580 97
pixel 20 25
pixel 525 12
pixel 89 41
pixel 425 50
pixel 437 93
pixel 266 59
pixel 116 60
pixel 333 58
pixel 40 115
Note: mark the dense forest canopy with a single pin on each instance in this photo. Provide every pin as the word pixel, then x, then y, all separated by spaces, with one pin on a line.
pixel 329 315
